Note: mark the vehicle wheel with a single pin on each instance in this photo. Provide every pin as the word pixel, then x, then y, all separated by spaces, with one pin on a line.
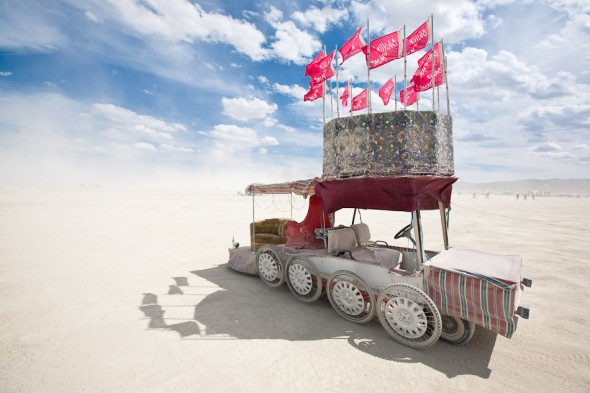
pixel 409 315
pixel 303 279
pixel 351 297
pixel 269 266
pixel 456 331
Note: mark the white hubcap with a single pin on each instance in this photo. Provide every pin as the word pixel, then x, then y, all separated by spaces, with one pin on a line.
pixel 406 317
pixel 300 278
pixel 348 298
pixel 267 267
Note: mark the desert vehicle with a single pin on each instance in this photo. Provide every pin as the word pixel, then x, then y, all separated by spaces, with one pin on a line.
pixel 418 295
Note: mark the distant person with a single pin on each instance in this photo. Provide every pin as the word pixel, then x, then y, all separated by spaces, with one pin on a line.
pixel 524 196
pixel 517 196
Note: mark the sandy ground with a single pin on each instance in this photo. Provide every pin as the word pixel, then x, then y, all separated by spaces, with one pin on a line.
pixel 126 291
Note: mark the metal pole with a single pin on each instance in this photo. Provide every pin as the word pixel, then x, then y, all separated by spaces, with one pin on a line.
pixel 405 70
pixel 444 224
pixel 337 85
pixel 446 79
pixel 368 69
pixel 433 58
pixel 418 239
pixel 252 246
pixel 395 91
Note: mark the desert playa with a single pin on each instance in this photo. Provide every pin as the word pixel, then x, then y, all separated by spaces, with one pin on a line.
pixel 111 290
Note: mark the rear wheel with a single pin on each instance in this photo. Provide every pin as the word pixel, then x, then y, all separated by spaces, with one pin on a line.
pixel 351 297
pixel 269 266
pixel 409 315
pixel 303 279
pixel 456 331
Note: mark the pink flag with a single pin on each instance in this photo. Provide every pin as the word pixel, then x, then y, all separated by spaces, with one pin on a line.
pixel 344 96
pixel 314 93
pixel 385 49
pixel 419 38
pixel 386 90
pixel 322 70
pixel 312 65
pixel 413 96
pixel 354 45
pixel 422 78
pixel 360 101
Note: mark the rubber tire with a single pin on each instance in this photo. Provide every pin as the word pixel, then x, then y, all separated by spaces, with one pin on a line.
pixel 316 280
pixel 364 316
pixel 417 296
pixel 268 255
pixel 456 331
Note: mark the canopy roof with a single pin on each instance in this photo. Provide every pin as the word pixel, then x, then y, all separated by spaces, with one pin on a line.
pixel 396 193
pixel 299 187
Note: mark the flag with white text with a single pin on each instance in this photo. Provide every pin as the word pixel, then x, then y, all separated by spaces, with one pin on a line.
pixel 354 45
pixel 386 90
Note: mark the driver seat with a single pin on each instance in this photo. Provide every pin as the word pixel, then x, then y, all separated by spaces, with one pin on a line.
pixel 344 240
pixel 367 249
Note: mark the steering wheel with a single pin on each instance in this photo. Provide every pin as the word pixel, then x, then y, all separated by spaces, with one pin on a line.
pixel 402 232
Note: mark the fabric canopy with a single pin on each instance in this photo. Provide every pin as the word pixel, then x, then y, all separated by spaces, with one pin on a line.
pixel 406 193
pixel 299 187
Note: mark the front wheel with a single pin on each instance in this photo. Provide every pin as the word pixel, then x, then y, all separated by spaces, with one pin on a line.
pixel 409 315
pixel 269 266
pixel 456 331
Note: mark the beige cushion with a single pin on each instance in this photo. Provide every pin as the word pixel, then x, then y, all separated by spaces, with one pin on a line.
pixel 341 239
pixel 362 233
pixel 385 257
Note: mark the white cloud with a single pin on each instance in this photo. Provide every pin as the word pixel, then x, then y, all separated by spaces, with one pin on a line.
pixel 581 146
pixel 295 91
pixel 91 17
pixel 245 109
pixel 181 20
pixel 179 149
pixel 455 20
pixel 290 43
pixel 5 73
pixel 143 146
pixel 320 19
pixel 129 119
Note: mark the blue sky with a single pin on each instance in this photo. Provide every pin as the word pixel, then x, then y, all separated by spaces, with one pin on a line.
pixel 180 93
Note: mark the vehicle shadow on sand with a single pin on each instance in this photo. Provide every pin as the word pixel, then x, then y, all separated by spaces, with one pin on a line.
pixel 245 308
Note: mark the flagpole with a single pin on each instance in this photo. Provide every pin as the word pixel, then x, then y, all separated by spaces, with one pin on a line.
pixel 350 95
pixel 395 90
pixel 433 58
pixel 405 68
pixel 446 79
pixel 368 69
pixel 337 85
pixel 324 95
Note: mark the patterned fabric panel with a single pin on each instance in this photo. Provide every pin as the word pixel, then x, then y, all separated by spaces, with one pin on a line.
pixel 390 143
pixel 481 301
pixel 242 259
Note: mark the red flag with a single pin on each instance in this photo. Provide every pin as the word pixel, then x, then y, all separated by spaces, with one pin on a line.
pixel 322 70
pixel 354 45
pixel 419 38
pixel 360 101
pixel 386 90
pixel 413 96
pixel 385 49
pixel 422 78
pixel 314 93
pixel 344 96
pixel 312 65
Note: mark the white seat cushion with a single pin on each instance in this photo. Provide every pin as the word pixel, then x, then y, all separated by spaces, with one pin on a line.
pixel 341 239
pixel 385 257
pixel 362 233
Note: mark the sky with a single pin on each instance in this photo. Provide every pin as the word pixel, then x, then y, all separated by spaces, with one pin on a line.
pixel 209 94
